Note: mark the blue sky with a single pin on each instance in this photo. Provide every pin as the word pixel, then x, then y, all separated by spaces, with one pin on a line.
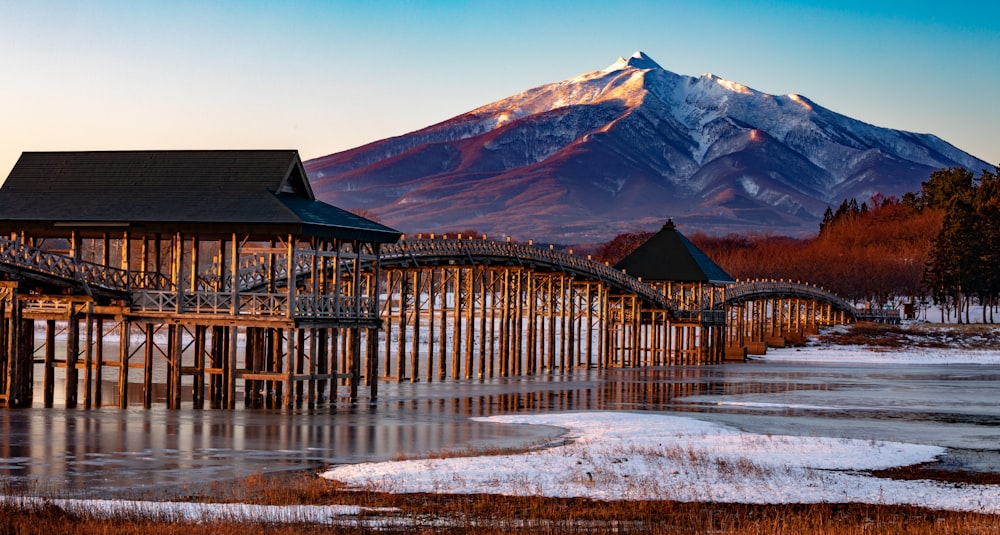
pixel 327 76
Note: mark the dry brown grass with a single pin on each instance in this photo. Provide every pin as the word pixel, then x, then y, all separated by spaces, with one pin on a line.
pixel 929 335
pixel 491 514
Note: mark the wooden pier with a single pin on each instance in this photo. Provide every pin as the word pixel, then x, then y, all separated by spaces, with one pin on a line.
pixel 215 278
pixel 219 264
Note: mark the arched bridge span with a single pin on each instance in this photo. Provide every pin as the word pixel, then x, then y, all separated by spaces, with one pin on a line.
pixel 460 308
pixel 482 252
pixel 746 291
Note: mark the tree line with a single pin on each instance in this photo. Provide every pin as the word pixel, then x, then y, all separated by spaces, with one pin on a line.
pixel 964 261
pixel 941 243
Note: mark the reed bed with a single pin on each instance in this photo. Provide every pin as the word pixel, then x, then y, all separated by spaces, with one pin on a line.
pixel 926 335
pixel 495 514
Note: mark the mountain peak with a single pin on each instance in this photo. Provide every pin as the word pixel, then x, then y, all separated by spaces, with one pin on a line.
pixel 639 60
pixel 613 151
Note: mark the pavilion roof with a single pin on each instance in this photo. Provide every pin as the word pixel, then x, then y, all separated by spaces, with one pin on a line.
pixel 256 192
pixel 669 256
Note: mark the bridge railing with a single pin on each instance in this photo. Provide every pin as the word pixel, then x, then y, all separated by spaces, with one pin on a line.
pixel 267 304
pixel 746 290
pixel 750 288
pixel 35 259
pixel 476 250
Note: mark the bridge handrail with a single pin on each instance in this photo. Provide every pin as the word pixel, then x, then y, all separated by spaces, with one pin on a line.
pixel 35 259
pixel 414 250
pixel 742 289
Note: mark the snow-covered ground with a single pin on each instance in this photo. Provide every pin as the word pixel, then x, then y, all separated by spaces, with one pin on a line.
pixel 637 456
pixel 877 355
pixel 654 456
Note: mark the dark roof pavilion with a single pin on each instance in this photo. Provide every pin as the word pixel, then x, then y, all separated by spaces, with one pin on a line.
pixel 253 192
pixel 669 256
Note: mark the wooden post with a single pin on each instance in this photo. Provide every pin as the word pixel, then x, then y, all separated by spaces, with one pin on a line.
pixel 177 268
pixel 6 355
pixel 48 372
pixel 314 356
pixel 470 308
pixel 124 352
pixel 551 350
pixel 26 357
pixel 443 328
pixel 322 367
pixel 355 373
pixel 415 350
pixel 483 291
pixel 491 349
pixel 230 371
pixel 371 339
pixel 147 378
pixel 198 390
pixel 532 330
pixel 290 366
pixel 175 349
pixel 401 345
pixel 72 357
pixel 456 324
pixel 432 293
pixel 505 324
pixel 387 324
pixel 99 361
pixel 591 293
pixel 519 297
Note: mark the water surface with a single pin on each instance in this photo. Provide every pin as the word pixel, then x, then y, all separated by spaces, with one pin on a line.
pixel 111 452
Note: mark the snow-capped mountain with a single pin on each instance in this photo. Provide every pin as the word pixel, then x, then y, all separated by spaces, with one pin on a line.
pixel 622 149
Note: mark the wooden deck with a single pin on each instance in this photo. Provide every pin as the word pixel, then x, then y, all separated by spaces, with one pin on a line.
pixel 415 310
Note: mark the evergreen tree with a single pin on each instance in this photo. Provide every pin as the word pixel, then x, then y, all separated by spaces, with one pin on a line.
pixel 827 220
pixel 987 207
pixel 943 186
pixel 953 271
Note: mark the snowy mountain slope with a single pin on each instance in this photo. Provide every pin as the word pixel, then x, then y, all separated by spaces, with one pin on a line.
pixel 623 148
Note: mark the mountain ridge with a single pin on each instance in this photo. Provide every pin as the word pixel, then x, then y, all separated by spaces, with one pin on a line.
pixel 624 148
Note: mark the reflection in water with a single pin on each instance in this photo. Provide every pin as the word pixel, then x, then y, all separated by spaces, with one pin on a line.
pixel 105 452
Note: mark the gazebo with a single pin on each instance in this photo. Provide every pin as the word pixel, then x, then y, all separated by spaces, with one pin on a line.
pixel 209 264
pixel 693 283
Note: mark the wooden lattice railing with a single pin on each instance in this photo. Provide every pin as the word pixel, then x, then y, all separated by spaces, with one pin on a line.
pixel 473 252
pixel 761 289
pixel 154 291
pixel 35 260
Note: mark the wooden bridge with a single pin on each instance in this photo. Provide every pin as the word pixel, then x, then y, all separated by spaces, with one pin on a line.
pixel 448 309
pixel 282 300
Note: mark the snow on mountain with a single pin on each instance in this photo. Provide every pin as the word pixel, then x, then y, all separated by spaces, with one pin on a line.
pixel 623 148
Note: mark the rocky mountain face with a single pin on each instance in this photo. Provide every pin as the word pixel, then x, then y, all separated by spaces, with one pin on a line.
pixel 621 150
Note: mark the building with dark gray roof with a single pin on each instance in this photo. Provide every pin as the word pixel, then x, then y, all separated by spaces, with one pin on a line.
pixel 260 193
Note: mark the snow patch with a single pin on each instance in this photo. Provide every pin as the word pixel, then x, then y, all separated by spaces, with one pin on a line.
pixel 633 456
pixel 749 185
pixel 801 101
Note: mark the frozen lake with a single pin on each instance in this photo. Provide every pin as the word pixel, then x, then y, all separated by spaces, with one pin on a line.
pixel 133 453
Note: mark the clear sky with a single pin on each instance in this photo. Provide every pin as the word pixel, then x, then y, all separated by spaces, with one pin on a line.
pixel 325 76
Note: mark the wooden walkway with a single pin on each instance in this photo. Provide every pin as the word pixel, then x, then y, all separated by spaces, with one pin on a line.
pixel 286 343
pixel 454 309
